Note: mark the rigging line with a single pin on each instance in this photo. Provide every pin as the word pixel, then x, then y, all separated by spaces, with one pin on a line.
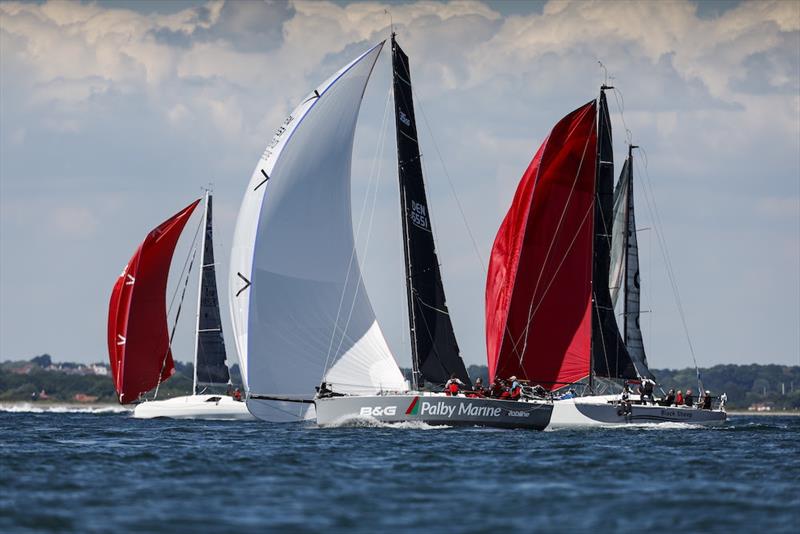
pixel 550 247
pixel 372 178
pixel 189 255
pixel 452 187
pixel 433 345
pixel 653 207
pixel 175 324
pixel 376 180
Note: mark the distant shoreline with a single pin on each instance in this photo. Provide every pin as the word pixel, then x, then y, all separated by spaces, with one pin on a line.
pixel 793 413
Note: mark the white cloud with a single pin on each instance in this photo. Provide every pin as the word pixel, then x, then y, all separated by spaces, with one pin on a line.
pixel 110 117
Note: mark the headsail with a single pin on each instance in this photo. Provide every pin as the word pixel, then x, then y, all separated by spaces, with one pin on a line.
pixel 433 342
pixel 609 355
pixel 210 368
pixel 138 338
pixel 298 302
pixel 625 267
pixel 538 288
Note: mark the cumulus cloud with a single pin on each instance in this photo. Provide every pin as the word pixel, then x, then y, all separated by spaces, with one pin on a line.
pixel 112 117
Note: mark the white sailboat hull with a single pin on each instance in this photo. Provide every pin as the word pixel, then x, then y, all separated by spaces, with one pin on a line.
pixel 433 409
pixel 212 407
pixel 605 410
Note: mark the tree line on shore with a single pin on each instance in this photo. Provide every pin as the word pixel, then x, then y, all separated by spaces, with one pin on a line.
pixel 771 385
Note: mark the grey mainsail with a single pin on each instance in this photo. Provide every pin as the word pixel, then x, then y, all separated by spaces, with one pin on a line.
pixel 625 267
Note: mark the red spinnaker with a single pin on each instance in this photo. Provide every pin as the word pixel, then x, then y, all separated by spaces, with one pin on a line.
pixel 538 288
pixel 138 336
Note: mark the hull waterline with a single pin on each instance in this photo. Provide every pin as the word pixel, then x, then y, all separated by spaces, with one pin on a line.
pixel 604 411
pixel 210 407
pixel 434 409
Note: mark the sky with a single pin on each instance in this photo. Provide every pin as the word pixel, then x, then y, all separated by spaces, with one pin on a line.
pixel 114 114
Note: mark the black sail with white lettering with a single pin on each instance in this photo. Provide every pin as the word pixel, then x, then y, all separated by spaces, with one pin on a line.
pixel 434 348
pixel 210 362
pixel 610 358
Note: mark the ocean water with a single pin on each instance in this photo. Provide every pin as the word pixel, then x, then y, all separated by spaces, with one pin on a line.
pixel 102 471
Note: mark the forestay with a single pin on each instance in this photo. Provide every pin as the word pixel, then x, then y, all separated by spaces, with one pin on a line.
pixel 297 299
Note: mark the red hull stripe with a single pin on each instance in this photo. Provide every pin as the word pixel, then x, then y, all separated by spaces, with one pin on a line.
pixel 412 406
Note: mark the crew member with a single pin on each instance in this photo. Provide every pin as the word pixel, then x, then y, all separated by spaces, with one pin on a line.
pixel 516 389
pixel 707 400
pixel 688 399
pixel 669 400
pixel 237 395
pixel 478 390
pixel 453 385
pixel 496 389
pixel 679 398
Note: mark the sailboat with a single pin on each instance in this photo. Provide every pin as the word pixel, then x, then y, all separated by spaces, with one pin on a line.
pixel 548 320
pixel 138 338
pixel 307 336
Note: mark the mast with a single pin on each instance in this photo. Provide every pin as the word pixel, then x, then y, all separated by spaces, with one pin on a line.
pixel 416 378
pixel 609 356
pixel 200 271
pixel 434 350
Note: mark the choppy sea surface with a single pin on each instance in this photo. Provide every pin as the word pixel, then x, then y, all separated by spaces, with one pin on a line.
pixel 103 471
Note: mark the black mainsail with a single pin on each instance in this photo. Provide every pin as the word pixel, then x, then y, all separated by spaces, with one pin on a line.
pixel 610 357
pixel 209 365
pixel 625 267
pixel 434 350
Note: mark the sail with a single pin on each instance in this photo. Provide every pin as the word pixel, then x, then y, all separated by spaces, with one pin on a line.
pixel 210 368
pixel 297 299
pixel 609 355
pixel 538 288
pixel 625 239
pixel 433 342
pixel 619 230
pixel 138 337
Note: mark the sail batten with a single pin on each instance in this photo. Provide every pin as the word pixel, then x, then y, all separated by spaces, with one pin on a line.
pixel 209 365
pixel 435 352
pixel 610 357
pixel 625 277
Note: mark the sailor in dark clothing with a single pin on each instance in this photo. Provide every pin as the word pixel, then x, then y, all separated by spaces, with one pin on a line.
pixel 706 400
pixel 497 389
pixel 646 390
pixel 477 389
pixel 688 399
pixel 669 400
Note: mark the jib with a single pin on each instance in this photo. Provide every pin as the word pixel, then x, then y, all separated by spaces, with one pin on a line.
pixel 377 411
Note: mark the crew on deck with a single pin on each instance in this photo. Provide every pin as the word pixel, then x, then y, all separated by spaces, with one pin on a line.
pixel 688 399
pixel 516 389
pixel 453 386
pixel 477 389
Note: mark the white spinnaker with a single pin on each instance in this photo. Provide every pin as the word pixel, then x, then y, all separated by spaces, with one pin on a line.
pixel 294 243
